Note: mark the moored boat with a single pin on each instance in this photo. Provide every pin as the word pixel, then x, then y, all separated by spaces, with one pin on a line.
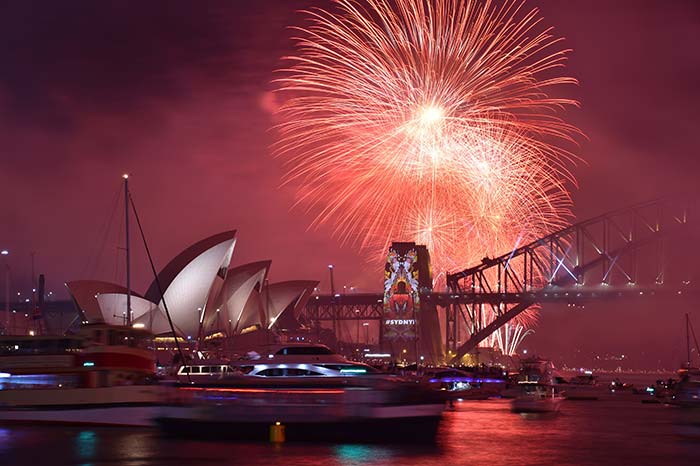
pixel 105 375
pixel 459 384
pixel 582 387
pixel 536 398
pixel 536 389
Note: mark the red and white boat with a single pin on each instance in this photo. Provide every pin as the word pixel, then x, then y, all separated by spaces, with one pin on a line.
pixel 105 375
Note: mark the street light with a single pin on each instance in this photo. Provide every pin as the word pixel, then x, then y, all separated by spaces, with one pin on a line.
pixel 366 326
pixel 330 271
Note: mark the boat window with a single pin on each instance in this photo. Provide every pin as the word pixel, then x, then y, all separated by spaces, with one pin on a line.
pixel 216 369
pixel 195 369
pixel 305 350
pixel 184 370
pixel 297 372
pixel 276 372
pixel 350 368
pixel 205 370
pixel 38 345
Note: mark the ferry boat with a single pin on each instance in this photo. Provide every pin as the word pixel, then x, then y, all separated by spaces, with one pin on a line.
pixel 280 360
pixel 104 375
pixel 316 394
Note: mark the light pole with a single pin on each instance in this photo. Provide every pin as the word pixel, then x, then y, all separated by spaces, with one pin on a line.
pixel 335 320
pixel 366 326
pixel 4 254
pixel 330 271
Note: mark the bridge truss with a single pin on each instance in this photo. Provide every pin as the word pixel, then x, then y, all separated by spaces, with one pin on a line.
pixel 336 308
pixel 617 254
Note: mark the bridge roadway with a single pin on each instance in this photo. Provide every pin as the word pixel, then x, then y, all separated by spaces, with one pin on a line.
pixel 368 306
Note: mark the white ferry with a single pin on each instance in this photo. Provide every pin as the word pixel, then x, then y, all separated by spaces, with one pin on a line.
pixel 315 393
pixel 288 361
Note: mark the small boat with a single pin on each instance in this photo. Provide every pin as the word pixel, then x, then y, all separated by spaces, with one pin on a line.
pixel 687 391
pixel 582 387
pixel 458 384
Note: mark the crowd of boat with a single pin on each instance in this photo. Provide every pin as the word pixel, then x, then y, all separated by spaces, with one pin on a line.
pixel 108 375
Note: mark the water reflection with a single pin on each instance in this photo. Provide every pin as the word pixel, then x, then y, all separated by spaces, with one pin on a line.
pixel 86 444
pixel 4 439
pixel 354 455
pixel 476 432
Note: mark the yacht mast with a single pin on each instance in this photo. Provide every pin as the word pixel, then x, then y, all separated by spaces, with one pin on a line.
pixel 687 336
pixel 128 250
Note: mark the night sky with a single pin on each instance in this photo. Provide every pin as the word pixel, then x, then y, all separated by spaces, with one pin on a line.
pixel 178 94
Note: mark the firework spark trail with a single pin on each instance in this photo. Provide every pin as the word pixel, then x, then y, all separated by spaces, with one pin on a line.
pixel 430 121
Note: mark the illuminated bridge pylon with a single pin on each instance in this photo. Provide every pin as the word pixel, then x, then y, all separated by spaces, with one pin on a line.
pixel 620 253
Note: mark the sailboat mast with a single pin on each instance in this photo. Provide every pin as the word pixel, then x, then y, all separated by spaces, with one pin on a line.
pixel 128 250
pixel 687 336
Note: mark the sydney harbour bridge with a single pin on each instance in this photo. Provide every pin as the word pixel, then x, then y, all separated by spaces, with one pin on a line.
pixel 642 251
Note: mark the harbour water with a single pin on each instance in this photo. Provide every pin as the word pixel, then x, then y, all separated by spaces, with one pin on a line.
pixel 617 431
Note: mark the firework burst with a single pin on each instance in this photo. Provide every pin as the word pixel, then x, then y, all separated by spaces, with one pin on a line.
pixel 433 121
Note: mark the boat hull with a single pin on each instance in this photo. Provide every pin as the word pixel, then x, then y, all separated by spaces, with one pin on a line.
pixel 530 405
pixel 118 406
pixel 96 415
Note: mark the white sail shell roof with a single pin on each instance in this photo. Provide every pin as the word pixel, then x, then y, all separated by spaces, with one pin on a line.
pixel 279 296
pixel 152 317
pixel 84 294
pixel 236 291
pixel 188 280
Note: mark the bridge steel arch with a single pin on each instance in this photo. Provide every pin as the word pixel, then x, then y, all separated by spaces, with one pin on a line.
pixel 620 253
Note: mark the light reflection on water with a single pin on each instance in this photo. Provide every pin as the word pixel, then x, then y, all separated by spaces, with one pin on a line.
pixel 480 432
pixel 86 444
pixel 4 440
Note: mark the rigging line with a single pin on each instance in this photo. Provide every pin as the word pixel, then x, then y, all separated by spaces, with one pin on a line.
pixel 157 280
pixel 695 339
pixel 90 269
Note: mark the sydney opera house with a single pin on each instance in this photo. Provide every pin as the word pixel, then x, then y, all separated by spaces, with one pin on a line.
pixel 203 294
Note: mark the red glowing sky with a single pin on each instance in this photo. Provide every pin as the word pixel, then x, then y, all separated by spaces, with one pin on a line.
pixel 177 95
